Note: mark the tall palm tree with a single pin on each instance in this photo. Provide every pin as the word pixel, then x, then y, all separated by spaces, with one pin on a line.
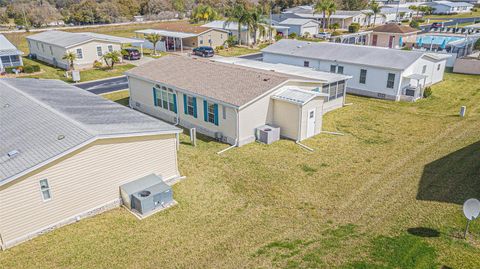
pixel 204 13
pixel 415 8
pixel 375 9
pixel 154 38
pixel 238 14
pixel 323 6
pixel 332 8
pixel 257 22
pixel 70 57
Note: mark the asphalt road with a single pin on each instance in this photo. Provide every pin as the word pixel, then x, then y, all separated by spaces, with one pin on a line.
pixel 453 22
pixel 105 85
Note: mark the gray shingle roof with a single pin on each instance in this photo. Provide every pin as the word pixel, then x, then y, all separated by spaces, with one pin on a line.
pixel 44 119
pixel 227 83
pixel 346 53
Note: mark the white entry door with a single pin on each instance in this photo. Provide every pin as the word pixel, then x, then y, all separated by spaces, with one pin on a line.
pixel 311 122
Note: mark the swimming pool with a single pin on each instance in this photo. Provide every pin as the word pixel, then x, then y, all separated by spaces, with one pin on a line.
pixel 437 39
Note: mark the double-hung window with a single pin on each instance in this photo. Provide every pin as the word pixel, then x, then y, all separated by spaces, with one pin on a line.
pixel 165 98
pixel 340 69
pixel 79 54
pixel 333 68
pixel 99 51
pixel 363 76
pixel 210 112
pixel 110 48
pixel 306 63
pixel 190 105
pixel 45 190
pixel 390 80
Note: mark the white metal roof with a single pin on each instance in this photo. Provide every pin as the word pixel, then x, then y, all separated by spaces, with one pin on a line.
pixel 219 24
pixel 296 95
pixel 7 48
pixel 293 21
pixel 299 71
pixel 68 39
pixel 416 76
pixel 166 33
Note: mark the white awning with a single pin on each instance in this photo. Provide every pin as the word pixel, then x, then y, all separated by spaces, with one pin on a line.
pixel 166 33
pixel 296 95
pixel 416 76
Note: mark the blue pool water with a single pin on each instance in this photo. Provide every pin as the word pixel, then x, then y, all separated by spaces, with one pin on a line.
pixel 437 39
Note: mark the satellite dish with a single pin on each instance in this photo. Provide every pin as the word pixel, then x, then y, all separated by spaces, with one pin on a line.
pixel 471 209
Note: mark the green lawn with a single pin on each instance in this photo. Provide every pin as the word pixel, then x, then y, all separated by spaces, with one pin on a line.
pixel 387 194
pixel 238 51
pixel 460 15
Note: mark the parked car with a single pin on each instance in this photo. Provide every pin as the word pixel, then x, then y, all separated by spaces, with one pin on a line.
pixel 132 54
pixel 204 51
pixel 323 35
pixel 436 25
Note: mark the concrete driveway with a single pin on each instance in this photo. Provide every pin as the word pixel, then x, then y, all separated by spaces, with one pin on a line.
pixel 143 60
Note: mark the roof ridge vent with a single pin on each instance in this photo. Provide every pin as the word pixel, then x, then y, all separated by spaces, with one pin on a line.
pixel 12 153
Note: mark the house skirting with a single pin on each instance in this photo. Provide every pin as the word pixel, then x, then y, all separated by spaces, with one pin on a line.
pixel 89 213
pixel 372 94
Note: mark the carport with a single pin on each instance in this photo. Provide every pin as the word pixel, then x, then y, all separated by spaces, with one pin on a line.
pixel 171 37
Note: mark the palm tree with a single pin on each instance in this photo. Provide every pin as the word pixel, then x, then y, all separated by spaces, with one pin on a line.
pixel 111 58
pixel 239 15
pixel 415 8
pixel 375 8
pixel 154 38
pixel 332 8
pixel 257 22
pixel 323 6
pixel 204 13
pixel 70 57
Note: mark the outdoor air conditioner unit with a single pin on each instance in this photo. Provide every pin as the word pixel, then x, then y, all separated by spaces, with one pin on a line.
pixel 268 134
pixel 218 136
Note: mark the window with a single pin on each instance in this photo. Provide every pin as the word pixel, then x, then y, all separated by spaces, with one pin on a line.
pixel 424 69
pixel 325 88
pixel 390 80
pixel 45 189
pixel 79 54
pixel 306 63
pixel 333 93
pixel 165 98
pixel 110 48
pixel 51 50
pixel 333 68
pixel 190 105
pixel 341 89
pixel 99 51
pixel 340 70
pixel 363 76
pixel 210 112
pixel 201 42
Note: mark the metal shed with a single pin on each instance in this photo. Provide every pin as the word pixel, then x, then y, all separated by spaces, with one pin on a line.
pixel 146 194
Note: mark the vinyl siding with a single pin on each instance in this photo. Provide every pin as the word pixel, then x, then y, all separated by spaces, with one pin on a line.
pixel 315 103
pixel 286 117
pixel 81 181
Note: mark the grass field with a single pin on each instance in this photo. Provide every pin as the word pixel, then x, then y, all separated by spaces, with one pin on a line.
pixel 238 51
pixel 460 15
pixel 387 194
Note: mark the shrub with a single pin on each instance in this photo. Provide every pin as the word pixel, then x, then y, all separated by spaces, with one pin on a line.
pixel 231 41
pixel 28 69
pixel 292 35
pixel 97 64
pixel 427 92
pixel 477 45
pixel 278 37
pixel 415 24
pixel 36 68
pixel 218 48
pixel 9 70
pixel 354 27
pixel 336 33
pixel 406 48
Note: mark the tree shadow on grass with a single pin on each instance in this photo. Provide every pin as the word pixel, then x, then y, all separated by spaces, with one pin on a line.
pixel 423 232
pixel 453 178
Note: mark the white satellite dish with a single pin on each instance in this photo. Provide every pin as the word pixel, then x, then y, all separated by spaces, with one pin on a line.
pixel 471 209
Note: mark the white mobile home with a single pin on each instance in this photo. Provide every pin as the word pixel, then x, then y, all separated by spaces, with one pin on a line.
pixel 301 27
pixel 245 37
pixel 377 72
pixel 229 102
pixel 10 56
pixel 66 152
pixel 51 46
pixel 447 7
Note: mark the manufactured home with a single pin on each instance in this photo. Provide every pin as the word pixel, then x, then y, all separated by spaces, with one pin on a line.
pixel 10 56
pixel 65 154
pixel 51 46
pixel 393 35
pixel 246 37
pixel 231 102
pixel 376 72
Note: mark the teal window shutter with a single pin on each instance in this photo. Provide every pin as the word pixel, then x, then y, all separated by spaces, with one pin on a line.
pixel 185 110
pixel 205 110
pixel 194 107
pixel 155 97
pixel 175 103
pixel 215 110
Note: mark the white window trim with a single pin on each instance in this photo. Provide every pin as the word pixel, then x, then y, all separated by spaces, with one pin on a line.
pixel 81 52
pixel 49 189
pixel 160 100
pixel 110 46
pixel 99 53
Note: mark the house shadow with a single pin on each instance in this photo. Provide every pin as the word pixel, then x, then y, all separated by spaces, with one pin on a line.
pixel 453 178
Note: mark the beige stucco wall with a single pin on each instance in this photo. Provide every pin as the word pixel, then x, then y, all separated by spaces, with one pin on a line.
pixel 89 53
pixel 81 181
pixel 383 39
pixel 217 37
pixel 141 98
pixel 286 117
pixel 316 103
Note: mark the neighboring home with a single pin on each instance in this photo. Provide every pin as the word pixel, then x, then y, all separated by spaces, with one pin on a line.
pixel 377 72
pixel 51 46
pixel 181 35
pixel 403 13
pixel 447 7
pixel 139 18
pixel 10 56
pixel 65 153
pixel 229 102
pixel 245 38
pixel 393 35
pixel 473 2
pixel 342 17
pixel 301 27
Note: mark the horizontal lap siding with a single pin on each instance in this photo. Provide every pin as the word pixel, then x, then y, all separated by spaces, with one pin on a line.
pixel 84 181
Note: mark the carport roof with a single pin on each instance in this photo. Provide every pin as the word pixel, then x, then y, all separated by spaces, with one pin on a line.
pixel 166 33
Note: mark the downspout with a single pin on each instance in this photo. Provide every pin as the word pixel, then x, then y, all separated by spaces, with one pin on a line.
pixel 299 132
pixel 238 135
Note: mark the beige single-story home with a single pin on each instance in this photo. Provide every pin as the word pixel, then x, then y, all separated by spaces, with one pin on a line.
pixel 51 46
pixel 176 36
pixel 230 102
pixel 393 35
pixel 66 152
pixel 246 37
